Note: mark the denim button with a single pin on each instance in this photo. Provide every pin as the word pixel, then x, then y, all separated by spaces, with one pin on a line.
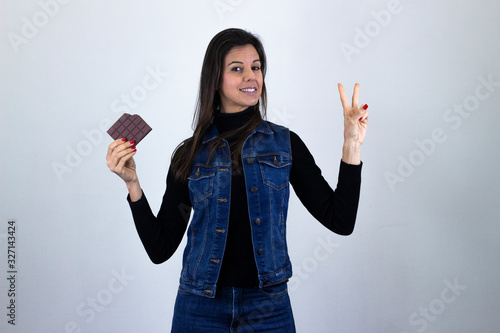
pixel 254 189
pixel 258 221
pixel 260 252
pixel 250 160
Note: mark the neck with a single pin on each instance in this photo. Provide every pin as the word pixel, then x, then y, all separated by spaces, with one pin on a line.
pixel 230 111
pixel 230 121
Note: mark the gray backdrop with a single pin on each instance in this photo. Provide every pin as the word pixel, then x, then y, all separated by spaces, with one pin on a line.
pixel 424 256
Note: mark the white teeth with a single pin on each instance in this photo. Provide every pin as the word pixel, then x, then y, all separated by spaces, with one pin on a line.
pixel 248 89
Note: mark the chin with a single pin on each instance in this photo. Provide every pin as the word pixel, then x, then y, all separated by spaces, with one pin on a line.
pixel 251 102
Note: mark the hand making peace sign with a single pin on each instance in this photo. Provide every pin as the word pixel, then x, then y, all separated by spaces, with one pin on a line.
pixel 355 119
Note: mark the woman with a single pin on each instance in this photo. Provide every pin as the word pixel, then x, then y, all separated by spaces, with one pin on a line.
pixel 234 172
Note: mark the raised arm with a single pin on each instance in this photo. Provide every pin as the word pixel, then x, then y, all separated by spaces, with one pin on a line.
pixel 335 209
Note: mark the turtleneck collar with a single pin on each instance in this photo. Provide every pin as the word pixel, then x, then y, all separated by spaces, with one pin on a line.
pixel 230 121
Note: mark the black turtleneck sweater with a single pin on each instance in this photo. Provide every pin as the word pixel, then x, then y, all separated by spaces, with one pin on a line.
pixel 336 210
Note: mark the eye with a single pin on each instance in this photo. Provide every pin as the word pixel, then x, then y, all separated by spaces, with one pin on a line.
pixel 236 69
pixel 256 68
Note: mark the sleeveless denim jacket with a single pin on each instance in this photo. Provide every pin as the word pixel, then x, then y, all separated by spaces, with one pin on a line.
pixel 266 161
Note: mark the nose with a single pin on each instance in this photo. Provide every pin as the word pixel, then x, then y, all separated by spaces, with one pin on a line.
pixel 249 74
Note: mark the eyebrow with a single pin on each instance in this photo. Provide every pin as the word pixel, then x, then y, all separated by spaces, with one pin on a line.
pixel 239 62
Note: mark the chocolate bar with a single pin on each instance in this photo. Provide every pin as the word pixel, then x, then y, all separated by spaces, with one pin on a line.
pixel 131 127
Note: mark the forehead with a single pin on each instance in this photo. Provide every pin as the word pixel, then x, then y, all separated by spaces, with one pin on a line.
pixel 242 53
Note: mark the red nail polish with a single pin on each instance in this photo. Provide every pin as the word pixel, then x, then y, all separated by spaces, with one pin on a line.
pixel 365 106
pixel 360 118
pixel 123 140
pixel 132 142
pixel 133 148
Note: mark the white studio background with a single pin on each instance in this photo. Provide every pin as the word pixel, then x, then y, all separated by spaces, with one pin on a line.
pixel 424 256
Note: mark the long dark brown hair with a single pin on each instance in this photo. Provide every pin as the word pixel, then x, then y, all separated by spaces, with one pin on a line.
pixel 209 101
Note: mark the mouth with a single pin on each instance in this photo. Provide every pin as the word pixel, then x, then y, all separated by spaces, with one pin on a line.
pixel 249 90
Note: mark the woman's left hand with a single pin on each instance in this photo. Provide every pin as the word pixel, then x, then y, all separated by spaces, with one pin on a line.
pixel 355 118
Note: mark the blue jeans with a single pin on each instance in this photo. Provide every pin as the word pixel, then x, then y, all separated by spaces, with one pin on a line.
pixel 233 309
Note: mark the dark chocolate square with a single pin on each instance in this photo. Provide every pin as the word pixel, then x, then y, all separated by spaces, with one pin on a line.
pixel 131 127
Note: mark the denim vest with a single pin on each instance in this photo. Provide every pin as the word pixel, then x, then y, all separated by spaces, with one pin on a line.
pixel 266 160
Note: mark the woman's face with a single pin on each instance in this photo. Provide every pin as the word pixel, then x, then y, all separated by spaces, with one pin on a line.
pixel 241 81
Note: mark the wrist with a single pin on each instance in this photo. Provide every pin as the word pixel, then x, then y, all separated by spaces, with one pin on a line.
pixel 134 189
pixel 351 152
pixel 352 145
pixel 132 183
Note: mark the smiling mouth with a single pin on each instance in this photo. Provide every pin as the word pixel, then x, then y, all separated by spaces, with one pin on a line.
pixel 248 89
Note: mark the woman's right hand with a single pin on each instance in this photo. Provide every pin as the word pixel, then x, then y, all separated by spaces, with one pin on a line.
pixel 120 159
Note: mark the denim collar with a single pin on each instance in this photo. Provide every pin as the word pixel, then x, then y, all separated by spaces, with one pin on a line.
pixel 213 132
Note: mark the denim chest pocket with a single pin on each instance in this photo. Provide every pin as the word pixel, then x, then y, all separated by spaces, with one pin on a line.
pixel 201 183
pixel 275 170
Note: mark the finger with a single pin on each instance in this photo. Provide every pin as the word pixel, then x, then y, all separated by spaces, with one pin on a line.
pixel 124 152
pixel 364 117
pixel 117 155
pixel 121 146
pixel 125 158
pixel 355 96
pixel 343 97
pixel 113 145
pixel 363 111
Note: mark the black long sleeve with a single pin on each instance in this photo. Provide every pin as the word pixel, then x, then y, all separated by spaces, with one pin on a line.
pixel 162 235
pixel 336 210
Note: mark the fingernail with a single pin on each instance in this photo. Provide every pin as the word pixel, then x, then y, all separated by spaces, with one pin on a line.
pixel 123 140
pixel 360 118
pixel 132 142
pixel 365 106
pixel 133 147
